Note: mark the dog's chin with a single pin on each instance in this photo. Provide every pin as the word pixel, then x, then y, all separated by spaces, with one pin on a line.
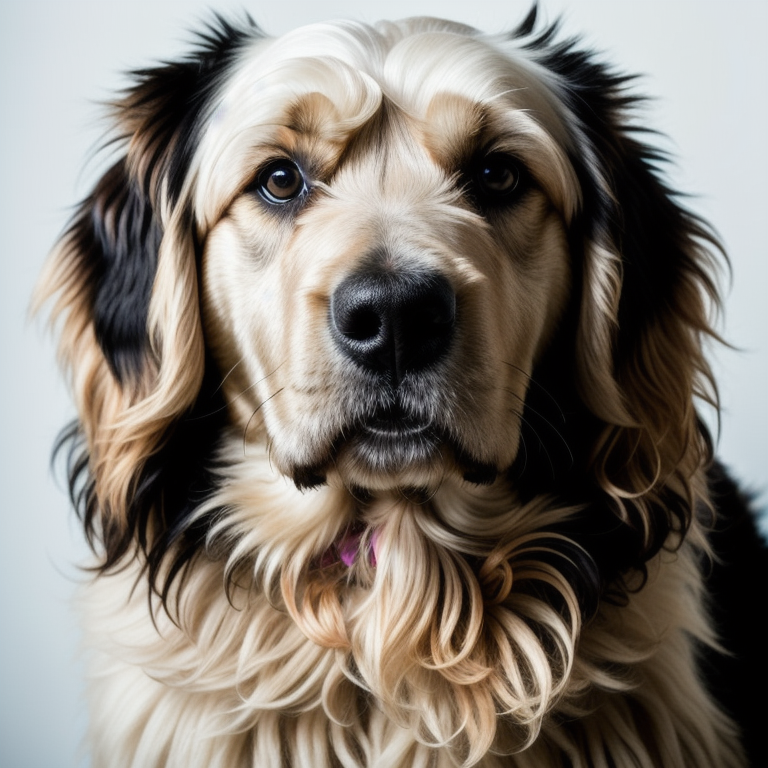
pixel 383 456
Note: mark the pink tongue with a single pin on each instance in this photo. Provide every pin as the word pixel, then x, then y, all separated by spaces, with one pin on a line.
pixel 349 547
pixel 374 551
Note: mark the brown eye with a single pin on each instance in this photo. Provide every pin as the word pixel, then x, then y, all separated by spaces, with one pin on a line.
pixel 497 176
pixel 281 181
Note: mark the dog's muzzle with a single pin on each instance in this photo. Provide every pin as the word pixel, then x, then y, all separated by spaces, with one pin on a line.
pixel 397 329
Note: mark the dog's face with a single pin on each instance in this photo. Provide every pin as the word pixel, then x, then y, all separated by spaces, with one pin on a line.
pixel 385 259
pixel 383 267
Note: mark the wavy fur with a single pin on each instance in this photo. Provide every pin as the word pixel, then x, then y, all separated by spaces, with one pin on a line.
pixel 487 552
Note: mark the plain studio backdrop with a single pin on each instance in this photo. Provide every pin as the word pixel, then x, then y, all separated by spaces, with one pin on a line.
pixel 705 64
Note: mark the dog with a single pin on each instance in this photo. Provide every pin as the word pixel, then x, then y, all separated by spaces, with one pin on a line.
pixel 386 343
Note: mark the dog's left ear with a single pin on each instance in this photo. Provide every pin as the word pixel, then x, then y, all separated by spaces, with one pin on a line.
pixel 124 285
pixel 646 295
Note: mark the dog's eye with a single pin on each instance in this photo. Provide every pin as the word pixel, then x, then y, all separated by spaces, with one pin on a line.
pixel 497 176
pixel 280 182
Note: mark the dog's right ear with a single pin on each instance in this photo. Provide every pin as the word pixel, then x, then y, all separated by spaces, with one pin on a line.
pixel 123 286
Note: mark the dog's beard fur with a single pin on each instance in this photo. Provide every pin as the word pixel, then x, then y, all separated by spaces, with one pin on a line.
pixel 426 562
pixel 433 629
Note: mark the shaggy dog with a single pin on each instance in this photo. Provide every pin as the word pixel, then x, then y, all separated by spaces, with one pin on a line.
pixel 385 343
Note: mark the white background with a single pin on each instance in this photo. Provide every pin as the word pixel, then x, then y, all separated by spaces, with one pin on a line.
pixel 706 63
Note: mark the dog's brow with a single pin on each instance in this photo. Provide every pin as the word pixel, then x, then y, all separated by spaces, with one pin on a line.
pixel 452 128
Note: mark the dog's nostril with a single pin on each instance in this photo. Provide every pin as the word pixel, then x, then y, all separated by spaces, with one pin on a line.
pixel 360 324
pixel 393 322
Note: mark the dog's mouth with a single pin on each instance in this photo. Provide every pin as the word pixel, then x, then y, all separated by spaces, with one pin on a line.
pixel 392 448
pixel 391 434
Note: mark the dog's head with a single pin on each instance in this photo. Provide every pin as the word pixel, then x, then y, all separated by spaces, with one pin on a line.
pixel 378 262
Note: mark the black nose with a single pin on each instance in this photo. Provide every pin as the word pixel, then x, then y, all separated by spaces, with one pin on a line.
pixel 393 322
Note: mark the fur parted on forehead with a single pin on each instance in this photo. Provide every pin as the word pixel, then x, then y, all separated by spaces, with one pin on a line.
pixel 328 81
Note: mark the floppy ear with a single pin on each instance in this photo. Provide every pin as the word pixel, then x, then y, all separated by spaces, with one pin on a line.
pixel 646 290
pixel 125 288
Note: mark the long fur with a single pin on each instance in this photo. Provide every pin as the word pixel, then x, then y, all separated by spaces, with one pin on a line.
pixel 276 583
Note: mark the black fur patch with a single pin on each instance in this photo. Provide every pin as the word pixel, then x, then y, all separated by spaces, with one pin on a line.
pixel 738 583
pixel 115 239
pixel 177 94
pixel 116 233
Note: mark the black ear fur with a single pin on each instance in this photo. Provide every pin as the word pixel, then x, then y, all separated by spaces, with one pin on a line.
pixel 115 239
pixel 662 315
pixel 137 490
pixel 640 215
pixel 116 233
pixel 663 268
